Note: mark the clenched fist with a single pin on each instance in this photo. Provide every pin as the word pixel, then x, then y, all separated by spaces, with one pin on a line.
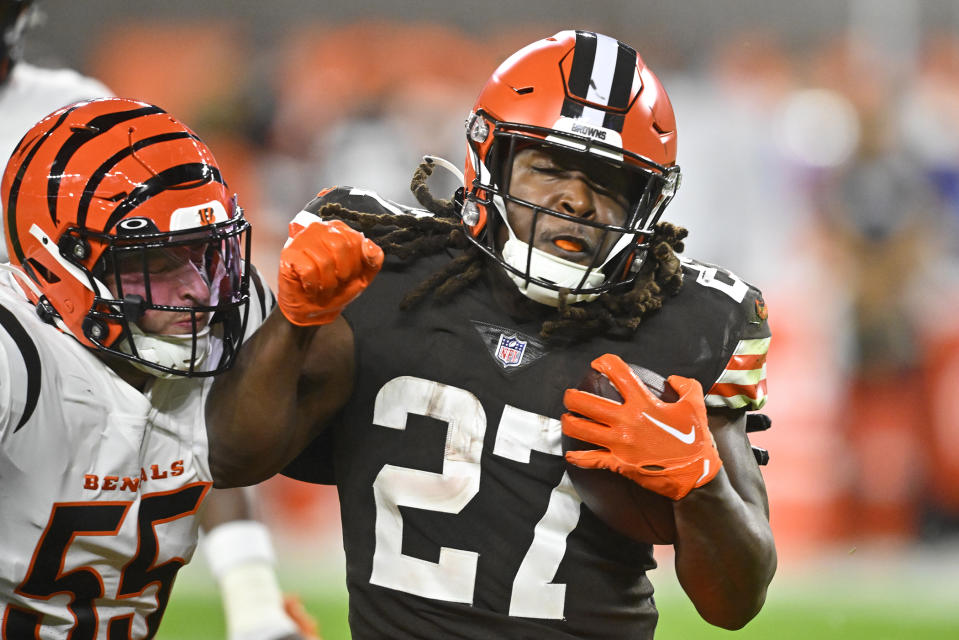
pixel 665 447
pixel 324 265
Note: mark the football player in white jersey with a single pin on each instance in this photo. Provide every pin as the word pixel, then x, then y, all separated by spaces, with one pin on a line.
pixel 238 547
pixel 128 288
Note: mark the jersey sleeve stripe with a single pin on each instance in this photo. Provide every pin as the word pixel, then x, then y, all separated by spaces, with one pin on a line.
pixel 743 377
pixel 752 347
pixel 31 360
pixel 736 402
pixel 742 384
pixel 753 391
pixel 745 363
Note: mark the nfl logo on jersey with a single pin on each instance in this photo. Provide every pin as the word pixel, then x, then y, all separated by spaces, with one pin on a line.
pixel 510 350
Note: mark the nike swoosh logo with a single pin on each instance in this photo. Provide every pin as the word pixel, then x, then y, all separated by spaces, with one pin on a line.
pixel 686 438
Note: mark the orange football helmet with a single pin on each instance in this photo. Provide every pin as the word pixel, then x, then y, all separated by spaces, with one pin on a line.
pixel 113 182
pixel 587 93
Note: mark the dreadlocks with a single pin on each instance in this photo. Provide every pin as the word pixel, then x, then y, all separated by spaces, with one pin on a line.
pixel 408 237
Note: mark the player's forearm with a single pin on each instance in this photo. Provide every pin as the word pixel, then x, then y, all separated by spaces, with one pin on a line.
pixel 297 371
pixel 725 554
pixel 287 380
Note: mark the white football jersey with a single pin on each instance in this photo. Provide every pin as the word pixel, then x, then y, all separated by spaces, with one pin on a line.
pixel 99 483
pixel 30 94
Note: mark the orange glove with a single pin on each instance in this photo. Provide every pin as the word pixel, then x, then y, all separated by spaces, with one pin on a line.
pixel 324 265
pixel 665 447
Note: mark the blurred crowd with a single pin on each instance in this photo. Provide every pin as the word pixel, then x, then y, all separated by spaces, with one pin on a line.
pixel 827 174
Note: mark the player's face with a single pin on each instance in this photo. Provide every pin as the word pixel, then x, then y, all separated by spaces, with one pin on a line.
pixel 569 183
pixel 177 277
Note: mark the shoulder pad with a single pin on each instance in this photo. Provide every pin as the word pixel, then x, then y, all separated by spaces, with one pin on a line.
pixel 361 200
pixel 262 301
pixel 713 277
pixel 742 383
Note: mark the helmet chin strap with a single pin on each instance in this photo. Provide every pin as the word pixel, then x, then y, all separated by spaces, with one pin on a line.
pixel 446 164
pixel 168 350
pixel 22 277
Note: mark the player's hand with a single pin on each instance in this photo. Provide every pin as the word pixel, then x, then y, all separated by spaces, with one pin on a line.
pixel 293 615
pixel 308 628
pixel 324 265
pixel 665 447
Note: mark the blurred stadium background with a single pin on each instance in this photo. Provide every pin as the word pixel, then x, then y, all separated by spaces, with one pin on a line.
pixel 820 148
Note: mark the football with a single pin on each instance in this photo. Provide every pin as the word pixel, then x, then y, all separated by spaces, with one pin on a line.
pixel 622 504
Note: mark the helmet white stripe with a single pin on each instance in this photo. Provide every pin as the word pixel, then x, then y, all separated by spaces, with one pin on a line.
pixel 604 68
pixel 54 251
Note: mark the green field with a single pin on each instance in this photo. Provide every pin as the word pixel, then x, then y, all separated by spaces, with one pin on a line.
pixel 903 597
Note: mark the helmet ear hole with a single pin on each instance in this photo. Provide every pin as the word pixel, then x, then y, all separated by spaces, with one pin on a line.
pixel 43 272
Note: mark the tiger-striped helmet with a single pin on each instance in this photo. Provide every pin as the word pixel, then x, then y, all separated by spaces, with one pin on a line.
pixel 104 185
pixel 584 93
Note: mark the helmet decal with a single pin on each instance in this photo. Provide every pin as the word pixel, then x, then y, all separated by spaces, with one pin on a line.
pixel 82 135
pixel 602 72
pixel 168 179
pixel 10 201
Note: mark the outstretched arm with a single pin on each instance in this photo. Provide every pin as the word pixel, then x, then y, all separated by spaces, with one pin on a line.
pixel 240 553
pixel 297 370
